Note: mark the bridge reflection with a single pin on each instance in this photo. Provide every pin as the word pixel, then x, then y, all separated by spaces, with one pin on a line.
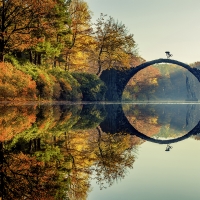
pixel 117 122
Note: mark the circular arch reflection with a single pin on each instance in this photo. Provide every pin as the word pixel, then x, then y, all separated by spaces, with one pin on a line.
pixel 117 122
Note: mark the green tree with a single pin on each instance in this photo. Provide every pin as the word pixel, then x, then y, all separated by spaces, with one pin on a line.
pixel 53 34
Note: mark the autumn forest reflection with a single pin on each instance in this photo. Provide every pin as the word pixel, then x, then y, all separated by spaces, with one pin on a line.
pixel 53 151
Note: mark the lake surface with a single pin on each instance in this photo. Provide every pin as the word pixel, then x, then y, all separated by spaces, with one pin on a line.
pixel 100 151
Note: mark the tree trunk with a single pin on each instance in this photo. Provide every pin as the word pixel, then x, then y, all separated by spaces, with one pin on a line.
pixel 99 69
pixel 99 62
pixel 2 50
pixel 39 59
pixel 35 59
pixel 31 56
pixel 67 62
pixel 19 54
pixel 54 62
pixel 1 57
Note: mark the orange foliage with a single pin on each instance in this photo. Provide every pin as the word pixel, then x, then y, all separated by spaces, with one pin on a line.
pixel 14 120
pixel 77 50
pixel 136 60
pixel 145 77
pixel 21 18
pixel 65 85
pixel 145 124
pixel 15 85
pixel 28 178
pixel 45 86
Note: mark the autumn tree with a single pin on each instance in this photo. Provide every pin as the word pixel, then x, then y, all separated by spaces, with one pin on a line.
pixel 18 19
pixel 144 119
pixel 15 84
pixel 143 83
pixel 53 30
pixel 114 45
pixel 114 157
pixel 79 39
pixel 195 64
pixel 25 176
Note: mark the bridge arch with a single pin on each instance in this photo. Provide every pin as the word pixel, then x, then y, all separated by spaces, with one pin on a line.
pixel 117 122
pixel 116 80
pixel 194 131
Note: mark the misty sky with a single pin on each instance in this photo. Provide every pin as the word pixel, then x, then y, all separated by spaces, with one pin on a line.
pixel 157 25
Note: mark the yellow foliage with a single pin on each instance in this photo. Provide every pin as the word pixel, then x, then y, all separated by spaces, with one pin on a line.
pixel 65 84
pixel 153 120
pixel 154 81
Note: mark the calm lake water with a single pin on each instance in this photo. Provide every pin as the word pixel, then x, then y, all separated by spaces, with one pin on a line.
pixel 100 151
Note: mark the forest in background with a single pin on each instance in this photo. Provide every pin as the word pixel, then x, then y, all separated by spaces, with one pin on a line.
pixel 51 50
pixel 163 82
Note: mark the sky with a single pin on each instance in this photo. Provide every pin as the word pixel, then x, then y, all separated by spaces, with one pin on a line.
pixel 157 25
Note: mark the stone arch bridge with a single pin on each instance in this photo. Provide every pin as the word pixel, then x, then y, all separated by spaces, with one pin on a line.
pixel 117 122
pixel 116 80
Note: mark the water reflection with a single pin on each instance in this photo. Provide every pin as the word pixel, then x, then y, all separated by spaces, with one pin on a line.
pixel 116 121
pixel 168 147
pixel 51 151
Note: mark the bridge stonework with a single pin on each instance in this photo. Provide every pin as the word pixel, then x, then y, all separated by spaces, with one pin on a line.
pixel 116 80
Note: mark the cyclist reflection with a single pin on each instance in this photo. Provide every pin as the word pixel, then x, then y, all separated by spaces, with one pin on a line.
pixel 168 148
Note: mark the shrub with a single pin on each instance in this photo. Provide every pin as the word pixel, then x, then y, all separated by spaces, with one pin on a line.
pixel 44 81
pixel 14 84
pixel 70 88
pixel 45 85
pixel 59 85
pixel 53 84
pixel 92 88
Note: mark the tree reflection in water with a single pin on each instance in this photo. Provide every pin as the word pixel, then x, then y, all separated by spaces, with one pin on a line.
pixel 52 152
pixel 114 157
pixel 62 169
pixel 51 158
pixel 25 177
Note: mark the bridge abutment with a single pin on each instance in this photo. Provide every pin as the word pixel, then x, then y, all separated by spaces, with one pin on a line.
pixel 115 81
